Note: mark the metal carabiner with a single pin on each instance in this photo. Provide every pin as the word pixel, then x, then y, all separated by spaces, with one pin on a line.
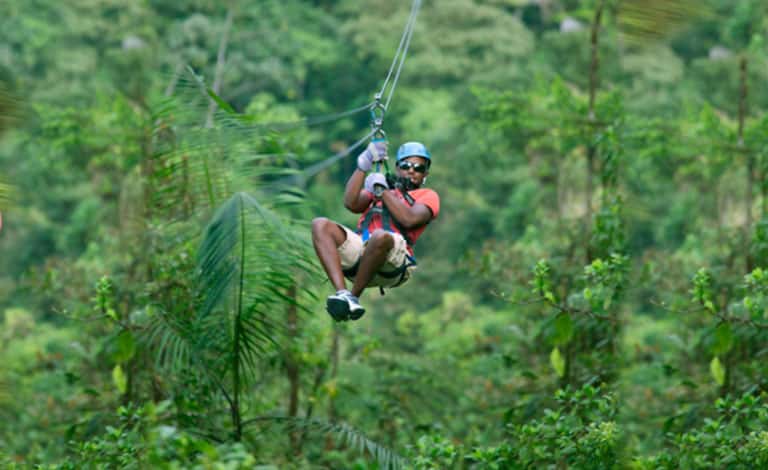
pixel 377 115
pixel 377 122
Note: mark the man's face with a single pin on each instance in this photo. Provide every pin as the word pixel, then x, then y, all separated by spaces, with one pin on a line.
pixel 413 168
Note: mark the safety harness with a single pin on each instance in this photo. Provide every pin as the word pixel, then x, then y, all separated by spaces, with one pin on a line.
pixel 386 223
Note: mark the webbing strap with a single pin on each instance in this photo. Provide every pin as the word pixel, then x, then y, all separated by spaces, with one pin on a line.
pixel 410 261
pixel 386 217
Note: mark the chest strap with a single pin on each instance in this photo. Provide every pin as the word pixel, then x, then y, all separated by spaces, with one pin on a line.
pixel 386 220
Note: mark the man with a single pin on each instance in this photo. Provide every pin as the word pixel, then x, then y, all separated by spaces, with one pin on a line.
pixel 395 212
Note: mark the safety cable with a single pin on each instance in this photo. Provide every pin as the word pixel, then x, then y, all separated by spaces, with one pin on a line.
pixel 398 61
pixel 408 23
pixel 409 29
pixel 303 175
pixel 320 166
pixel 307 121
pixel 396 66
pixel 375 106
pixel 400 55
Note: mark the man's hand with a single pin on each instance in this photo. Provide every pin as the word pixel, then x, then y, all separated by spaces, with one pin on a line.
pixel 376 183
pixel 375 152
pixel 394 182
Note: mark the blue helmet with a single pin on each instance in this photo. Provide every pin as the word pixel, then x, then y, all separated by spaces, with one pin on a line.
pixel 413 149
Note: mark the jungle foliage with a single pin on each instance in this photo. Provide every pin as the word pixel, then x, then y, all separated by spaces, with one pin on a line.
pixel 593 295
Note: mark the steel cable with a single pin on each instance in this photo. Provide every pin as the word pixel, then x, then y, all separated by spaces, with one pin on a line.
pixel 401 53
pixel 408 25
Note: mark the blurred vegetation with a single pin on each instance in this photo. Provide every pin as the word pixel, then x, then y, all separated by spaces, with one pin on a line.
pixel 593 295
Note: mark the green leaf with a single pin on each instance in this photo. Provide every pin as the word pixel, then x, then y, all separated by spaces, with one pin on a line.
pixel 119 379
pixel 717 370
pixel 557 361
pixel 550 297
pixel 220 101
pixel 111 313
pixel 723 339
pixel 563 329
pixel 125 347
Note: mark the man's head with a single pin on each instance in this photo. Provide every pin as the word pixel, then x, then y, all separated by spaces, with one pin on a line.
pixel 413 161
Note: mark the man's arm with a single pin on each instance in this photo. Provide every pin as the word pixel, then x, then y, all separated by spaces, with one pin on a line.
pixel 355 199
pixel 410 217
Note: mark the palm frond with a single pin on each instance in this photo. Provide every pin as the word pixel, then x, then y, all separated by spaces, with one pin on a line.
pixel 647 21
pixel 247 261
pixel 179 349
pixel 6 194
pixel 172 339
pixel 385 458
pixel 10 109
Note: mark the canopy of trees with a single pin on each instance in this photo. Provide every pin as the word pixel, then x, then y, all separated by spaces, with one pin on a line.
pixel 594 294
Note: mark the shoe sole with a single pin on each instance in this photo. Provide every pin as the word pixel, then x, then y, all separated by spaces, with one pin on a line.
pixel 355 315
pixel 338 309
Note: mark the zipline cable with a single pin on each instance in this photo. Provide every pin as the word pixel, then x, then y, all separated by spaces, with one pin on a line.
pixel 375 106
pixel 307 121
pixel 320 166
pixel 408 26
pixel 311 171
pixel 409 29
pixel 396 66
pixel 379 109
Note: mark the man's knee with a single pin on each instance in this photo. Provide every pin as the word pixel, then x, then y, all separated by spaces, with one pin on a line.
pixel 381 239
pixel 323 227
pixel 318 223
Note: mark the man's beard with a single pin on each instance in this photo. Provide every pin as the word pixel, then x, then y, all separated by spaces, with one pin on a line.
pixel 408 184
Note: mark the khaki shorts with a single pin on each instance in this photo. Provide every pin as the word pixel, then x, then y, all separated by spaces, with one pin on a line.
pixel 352 249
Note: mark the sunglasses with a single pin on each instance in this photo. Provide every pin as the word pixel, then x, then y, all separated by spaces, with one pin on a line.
pixel 417 167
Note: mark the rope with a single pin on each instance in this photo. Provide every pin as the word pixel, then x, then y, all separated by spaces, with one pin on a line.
pixel 399 48
pixel 307 121
pixel 311 120
pixel 320 166
pixel 401 53
pixel 397 66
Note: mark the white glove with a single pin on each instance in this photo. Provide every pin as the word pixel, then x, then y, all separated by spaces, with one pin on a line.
pixel 376 183
pixel 375 152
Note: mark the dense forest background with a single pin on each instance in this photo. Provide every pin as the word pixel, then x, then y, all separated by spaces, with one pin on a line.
pixel 593 294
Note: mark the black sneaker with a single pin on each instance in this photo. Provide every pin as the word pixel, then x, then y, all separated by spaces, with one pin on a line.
pixel 344 306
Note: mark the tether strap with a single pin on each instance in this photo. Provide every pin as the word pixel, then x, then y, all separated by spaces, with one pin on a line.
pixel 351 272
pixel 380 207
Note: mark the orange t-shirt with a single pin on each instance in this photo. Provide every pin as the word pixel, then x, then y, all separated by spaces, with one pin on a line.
pixel 424 196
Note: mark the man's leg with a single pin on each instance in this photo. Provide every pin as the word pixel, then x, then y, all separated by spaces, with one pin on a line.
pixel 375 255
pixel 327 237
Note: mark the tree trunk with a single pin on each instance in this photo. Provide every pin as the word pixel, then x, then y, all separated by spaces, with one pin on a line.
pixel 292 367
pixel 334 370
pixel 566 378
pixel 591 149
pixel 319 376
pixel 750 164
pixel 237 421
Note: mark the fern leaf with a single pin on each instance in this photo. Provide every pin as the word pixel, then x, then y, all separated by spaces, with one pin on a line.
pixel 645 21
